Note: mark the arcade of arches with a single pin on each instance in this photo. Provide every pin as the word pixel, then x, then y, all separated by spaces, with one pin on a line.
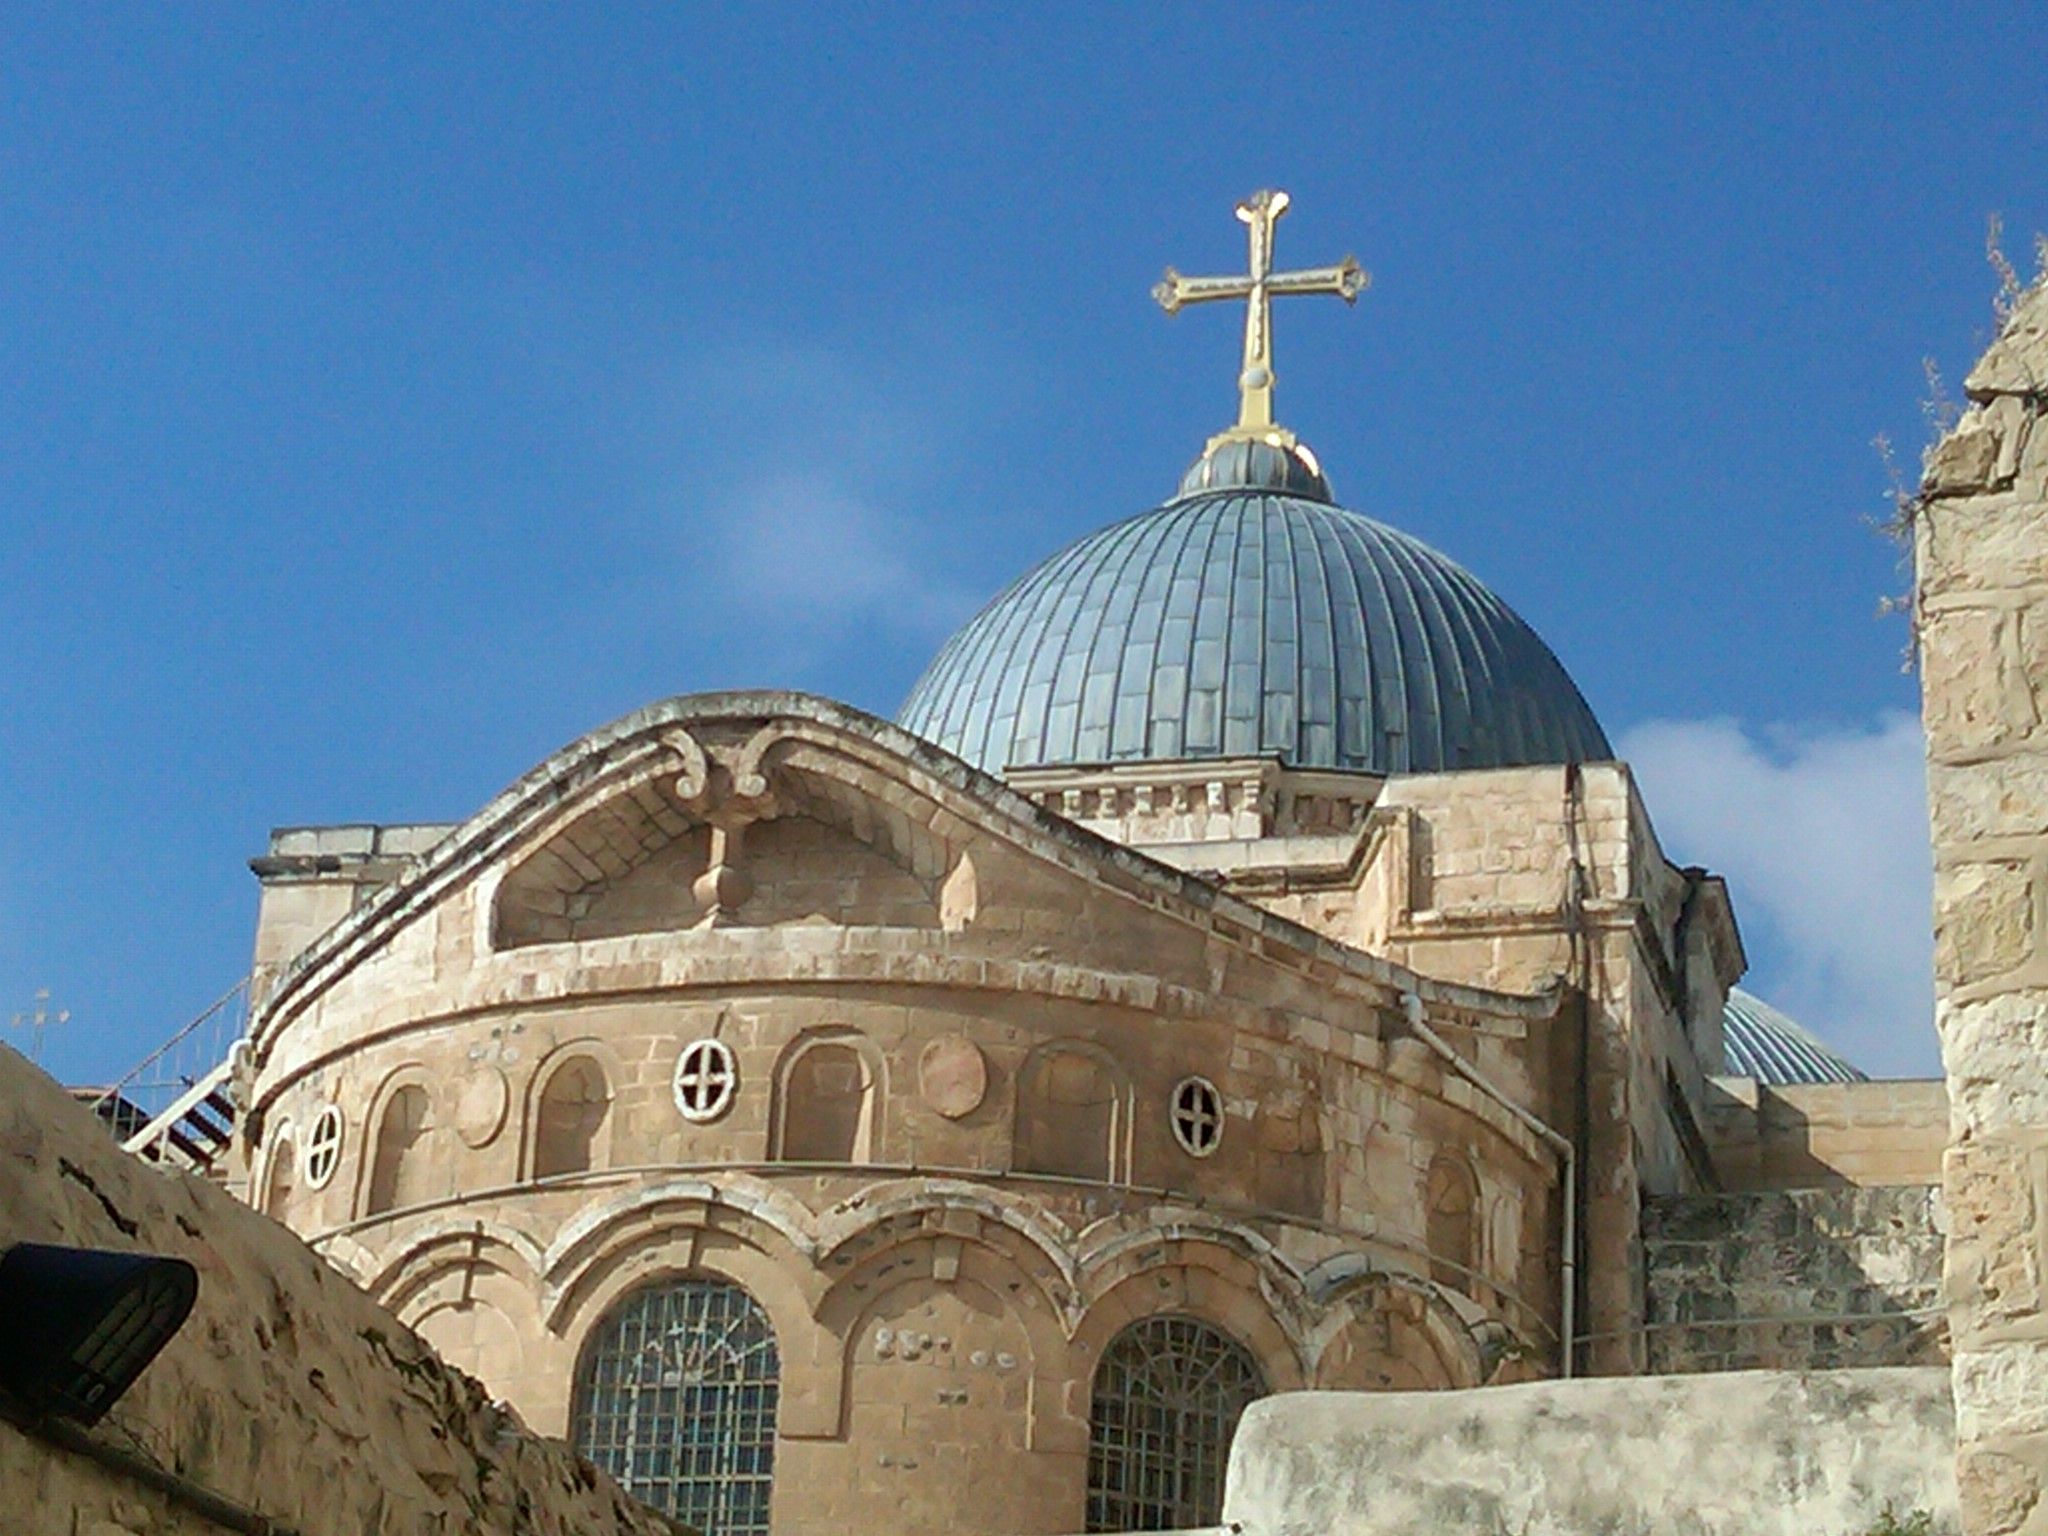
pixel 1024 1186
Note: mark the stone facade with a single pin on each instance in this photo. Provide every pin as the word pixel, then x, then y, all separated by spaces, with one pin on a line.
pixel 287 1390
pixel 1543 880
pixel 1981 553
pixel 1814 1279
pixel 1289 1058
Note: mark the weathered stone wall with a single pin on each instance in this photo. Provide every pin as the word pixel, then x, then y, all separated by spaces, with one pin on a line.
pixel 1755 1453
pixel 287 1390
pixel 1816 1279
pixel 1981 551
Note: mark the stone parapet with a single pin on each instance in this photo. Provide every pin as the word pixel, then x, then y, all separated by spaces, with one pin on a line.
pixel 1818 1135
pixel 1760 1452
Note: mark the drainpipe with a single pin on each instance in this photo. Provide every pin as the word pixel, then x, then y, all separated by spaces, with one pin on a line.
pixel 1567 1157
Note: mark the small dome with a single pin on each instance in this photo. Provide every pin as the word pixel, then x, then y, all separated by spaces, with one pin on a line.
pixel 1762 1043
pixel 1233 463
pixel 1251 617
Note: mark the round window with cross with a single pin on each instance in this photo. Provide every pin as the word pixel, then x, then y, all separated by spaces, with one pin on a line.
pixel 706 1077
pixel 1197 1116
pixel 323 1147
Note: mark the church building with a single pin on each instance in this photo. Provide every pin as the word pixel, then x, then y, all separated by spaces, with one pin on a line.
pixel 1242 966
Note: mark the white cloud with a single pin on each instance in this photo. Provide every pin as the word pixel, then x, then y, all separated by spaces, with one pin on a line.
pixel 805 546
pixel 823 512
pixel 1822 835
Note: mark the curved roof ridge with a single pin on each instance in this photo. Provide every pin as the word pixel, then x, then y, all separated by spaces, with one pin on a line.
pixel 1071 663
pixel 575 769
pixel 1762 1042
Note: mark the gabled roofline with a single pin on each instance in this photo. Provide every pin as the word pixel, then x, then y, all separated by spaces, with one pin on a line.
pixel 542 791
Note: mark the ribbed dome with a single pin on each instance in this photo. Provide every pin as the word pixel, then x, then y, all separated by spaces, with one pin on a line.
pixel 1251 618
pixel 1762 1043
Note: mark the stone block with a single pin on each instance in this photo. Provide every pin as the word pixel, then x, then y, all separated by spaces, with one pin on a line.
pixel 1996 1489
pixel 1983 543
pixel 1974 699
pixel 1994 1049
pixel 1972 801
pixel 1983 920
pixel 2001 1391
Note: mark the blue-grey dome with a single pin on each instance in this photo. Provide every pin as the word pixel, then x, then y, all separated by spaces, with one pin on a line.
pixel 1762 1043
pixel 1251 617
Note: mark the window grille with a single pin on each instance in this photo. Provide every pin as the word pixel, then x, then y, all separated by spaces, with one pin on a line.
pixel 1197 1116
pixel 706 1078
pixel 1168 1395
pixel 676 1399
pixel 323 1147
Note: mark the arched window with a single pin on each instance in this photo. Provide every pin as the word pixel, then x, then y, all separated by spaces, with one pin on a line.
pixel 828 1102
pixel 571 1112
pixel 1168 1395
pixel 1452 1213
pixel 396 1174
pixel 1071 1114
pixel 675 1398
pixel 277 1187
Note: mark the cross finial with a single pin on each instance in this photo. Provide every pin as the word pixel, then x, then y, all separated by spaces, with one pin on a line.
pixel 38 1019
pixel 1259 213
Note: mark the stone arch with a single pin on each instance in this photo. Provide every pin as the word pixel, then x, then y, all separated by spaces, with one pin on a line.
pixel 1384 1332
pixel 1034 1241
pixel 569 1111
pixel 1115 1252
pixel 985 1311
pixel 630 840
pixel 1451 1222
pixel 280 1171
pixel 758 1236
pixel 1203 1280
pixel 830 1087
pixel 1073 1114
pixel 457 1248
pixel 395 1139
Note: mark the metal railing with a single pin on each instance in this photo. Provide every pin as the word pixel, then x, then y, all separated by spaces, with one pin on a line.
pixel 181 1080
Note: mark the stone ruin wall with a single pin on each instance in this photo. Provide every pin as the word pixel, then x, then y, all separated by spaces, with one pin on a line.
pixel 1795 1280
pixel 287 1390
pixel 1981 553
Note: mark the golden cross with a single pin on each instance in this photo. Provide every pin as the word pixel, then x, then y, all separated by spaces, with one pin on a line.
pixel 1259 213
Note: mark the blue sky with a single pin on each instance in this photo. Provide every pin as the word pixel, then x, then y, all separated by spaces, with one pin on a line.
pixel 388 395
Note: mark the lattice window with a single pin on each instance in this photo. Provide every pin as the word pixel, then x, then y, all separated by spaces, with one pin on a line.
pixel 1197 1116
pixel 706 1079
pixel 676 1399
pixel 1168 1395
pixel 323 1147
